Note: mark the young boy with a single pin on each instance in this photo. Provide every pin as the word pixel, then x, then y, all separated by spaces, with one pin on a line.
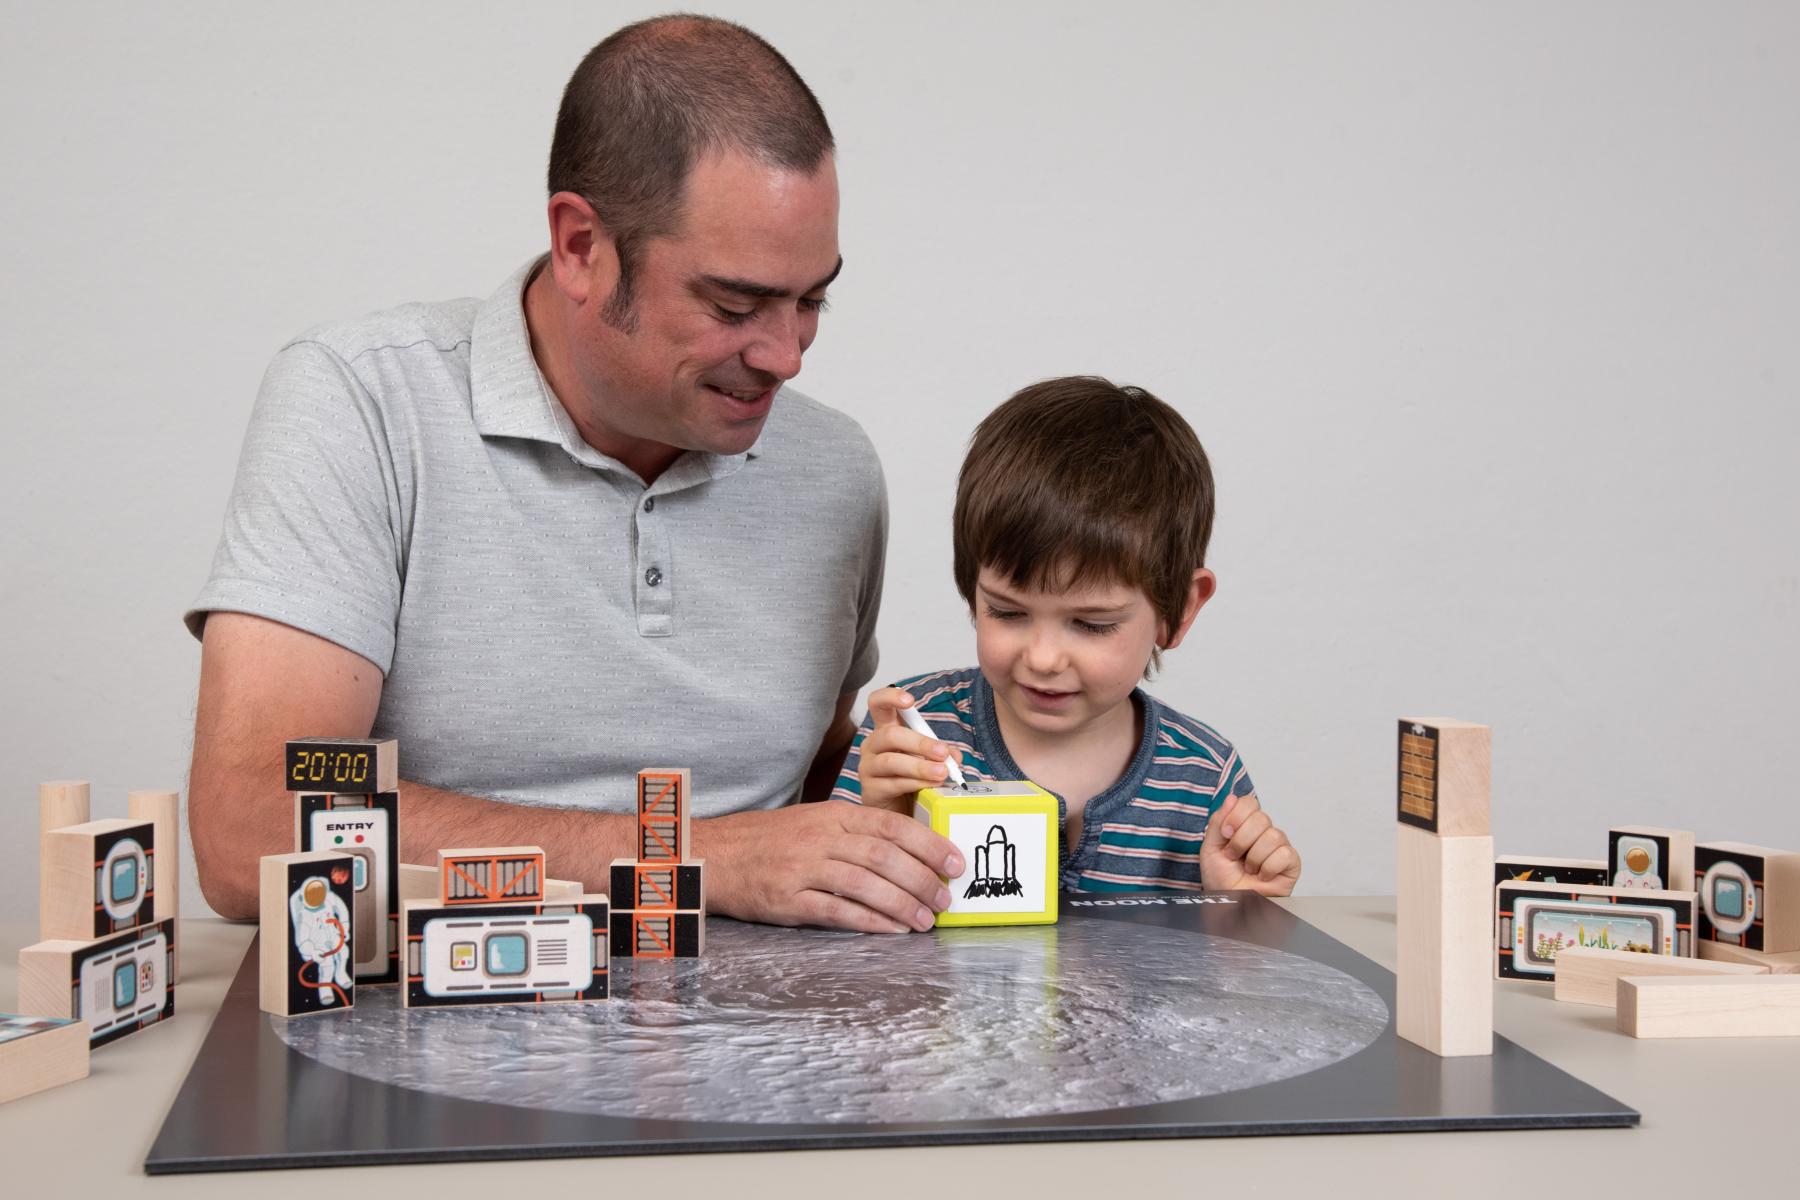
pixel 1082 516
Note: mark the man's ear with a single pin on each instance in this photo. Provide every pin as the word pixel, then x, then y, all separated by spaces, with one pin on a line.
pixel 584 259
pixel 1200 590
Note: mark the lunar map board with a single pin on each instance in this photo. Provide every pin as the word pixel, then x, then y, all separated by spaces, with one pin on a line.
pixel 1132 1017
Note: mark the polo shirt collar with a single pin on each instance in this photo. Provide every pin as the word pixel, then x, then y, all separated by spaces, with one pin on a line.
pixel 510 397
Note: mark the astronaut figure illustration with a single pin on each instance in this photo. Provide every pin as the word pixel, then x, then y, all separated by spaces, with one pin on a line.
pixel 322 935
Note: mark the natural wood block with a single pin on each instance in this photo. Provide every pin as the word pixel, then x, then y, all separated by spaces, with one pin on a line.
pixel 40 1052
pixel 163 810
pixel 100 879
pixel 505 953
pixel 1535 922
pixel 664 795
pixel 1749 896
pixel 1445 773
pixel 118 985
pixel 418 882
pixel 1536 868
pixel 343 766
pixel 61 803
pixel 1588 976
pixel 1777 964
pixel 1718 1006
pixel 491 875
pixel 1444 993
pixel 1646 856
pixel 306 934
pixel 562 889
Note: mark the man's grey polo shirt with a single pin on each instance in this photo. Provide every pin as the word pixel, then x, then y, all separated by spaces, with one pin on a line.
pixel 411 490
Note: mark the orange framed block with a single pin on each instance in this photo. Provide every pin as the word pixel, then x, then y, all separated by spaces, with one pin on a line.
pixel 491 875
pixel 661 934
pixel 658 885
pixel 663 795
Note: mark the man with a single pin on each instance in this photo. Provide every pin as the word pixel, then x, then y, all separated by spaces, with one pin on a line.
pixel 572 531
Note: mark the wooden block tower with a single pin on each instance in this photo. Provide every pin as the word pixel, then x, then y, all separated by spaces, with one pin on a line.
pixel 659 897
pixel 347 801
pixel 1444 893
pixel 107 958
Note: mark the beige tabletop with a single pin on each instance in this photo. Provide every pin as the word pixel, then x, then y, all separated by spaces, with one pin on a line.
pixel 1718 1114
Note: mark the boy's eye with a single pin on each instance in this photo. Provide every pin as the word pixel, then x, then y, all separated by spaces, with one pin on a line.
pixel 1096 626
pixel 1003 614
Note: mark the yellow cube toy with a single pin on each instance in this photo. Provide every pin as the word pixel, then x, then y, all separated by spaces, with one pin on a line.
pixel 1008 831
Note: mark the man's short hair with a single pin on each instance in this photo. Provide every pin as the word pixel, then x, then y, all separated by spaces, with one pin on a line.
pixel 650 101
pixel 1079 481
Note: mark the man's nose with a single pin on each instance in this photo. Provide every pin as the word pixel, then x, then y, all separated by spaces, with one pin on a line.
pixel 778 348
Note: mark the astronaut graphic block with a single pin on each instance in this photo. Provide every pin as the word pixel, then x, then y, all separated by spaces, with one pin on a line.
pixel 1643 856
pixel 308 933
pixel 1008 832
pixel 368 829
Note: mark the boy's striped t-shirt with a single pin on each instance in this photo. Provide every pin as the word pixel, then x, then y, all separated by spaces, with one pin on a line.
pixel 1143 833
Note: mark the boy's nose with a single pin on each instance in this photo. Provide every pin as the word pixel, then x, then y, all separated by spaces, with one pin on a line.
pixel 1044 654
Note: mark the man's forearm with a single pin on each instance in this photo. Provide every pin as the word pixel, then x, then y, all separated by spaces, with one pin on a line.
pixel 577 844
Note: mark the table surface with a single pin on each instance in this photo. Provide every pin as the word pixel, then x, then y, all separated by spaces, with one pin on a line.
pixel 1715 1110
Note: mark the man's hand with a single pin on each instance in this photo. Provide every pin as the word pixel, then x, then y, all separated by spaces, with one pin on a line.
pixel 1243 851
pixel 837 864
pixel 896 762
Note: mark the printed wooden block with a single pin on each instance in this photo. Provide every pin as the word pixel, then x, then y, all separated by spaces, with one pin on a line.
pixel 368 829
pixel 658 934
pixel 1444 776
pixel 40 1052
pixel 1749 896
pixel 1536 923
pixel 657 885
pixel 491 875
pixel 1444 988
pixel 100 879
pixel 1588 976
pixel 343 766
pixel 1007 831
pixel 1535 868
pixel 1643 856
pixel 506 953
pixel 307 933
pixel 118 985
pixel 1777 964
pixel 1719 1006
pixel 163 811
pixel 662 807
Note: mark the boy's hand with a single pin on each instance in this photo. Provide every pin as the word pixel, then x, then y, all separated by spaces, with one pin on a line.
pixel 896 762
pixel 1243 851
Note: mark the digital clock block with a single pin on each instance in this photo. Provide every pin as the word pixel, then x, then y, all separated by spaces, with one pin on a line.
pixel 1008 831
pixel 344 766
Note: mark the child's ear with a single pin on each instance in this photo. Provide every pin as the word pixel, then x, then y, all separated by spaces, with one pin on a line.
pixel 1200 590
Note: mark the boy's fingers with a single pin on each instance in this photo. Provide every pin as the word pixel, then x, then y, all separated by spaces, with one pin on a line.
pixel 898 764
pixel 1283 863
pixel 1248 830
pixel 1216 831
pixel 1256 858
pixel 885 705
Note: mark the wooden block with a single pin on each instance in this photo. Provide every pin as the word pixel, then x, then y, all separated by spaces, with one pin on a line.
pixel 1444 995
pixel 506 953
pixel 562 890
pixel 368 828
pixel 1719 1006
pixel 658 934
pixel 418 882
pixel 100 879
pixel 307 933
pixel 40 1052
pixel 663 799
pixel 61 803
pixel 1444 778
pixel 343 766
pixel 1749 896
pixel 1777 964
pixel 491 875
pixel 642 886
pixel 1585 975
pixel 1536 922
pixel 1535 868
pixel 118 985
pixel 1645 856
pixel 163 810
pixel 1008 831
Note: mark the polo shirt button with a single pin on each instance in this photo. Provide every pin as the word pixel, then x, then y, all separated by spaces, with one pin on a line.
pixel 649 503
pixel 653 576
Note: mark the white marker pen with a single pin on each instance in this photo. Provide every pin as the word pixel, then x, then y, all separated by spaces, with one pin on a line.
pixel 917 724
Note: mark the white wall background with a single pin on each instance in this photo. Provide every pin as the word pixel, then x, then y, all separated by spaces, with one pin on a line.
pixel 1486 313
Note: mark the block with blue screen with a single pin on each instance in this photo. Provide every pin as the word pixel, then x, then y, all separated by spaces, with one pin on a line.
pixel 99 879
pixel 1749 896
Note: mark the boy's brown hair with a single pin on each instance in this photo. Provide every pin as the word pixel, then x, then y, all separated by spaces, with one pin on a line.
pixel 1079 481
